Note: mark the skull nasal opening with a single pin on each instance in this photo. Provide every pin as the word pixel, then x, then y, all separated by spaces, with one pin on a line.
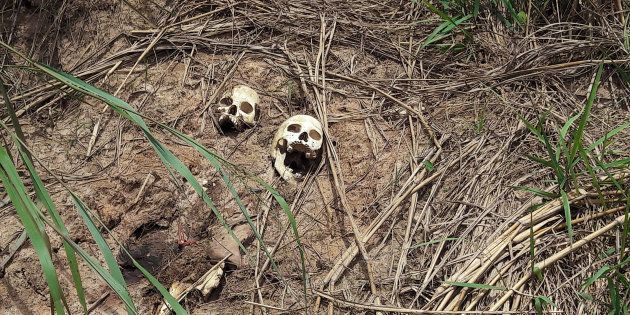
pixel 303 136
pixel 232 110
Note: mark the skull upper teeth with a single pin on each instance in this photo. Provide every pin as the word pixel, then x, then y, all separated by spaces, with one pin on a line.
pixel 297 146
pixel 237 108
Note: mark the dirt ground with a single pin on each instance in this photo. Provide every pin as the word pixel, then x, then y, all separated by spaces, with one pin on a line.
pixel 471 98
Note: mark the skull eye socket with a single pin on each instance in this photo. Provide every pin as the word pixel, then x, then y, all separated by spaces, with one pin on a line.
pixel 232 110
pixel 226 101
pixel 246 107
pixel 315 135
pixel 294 128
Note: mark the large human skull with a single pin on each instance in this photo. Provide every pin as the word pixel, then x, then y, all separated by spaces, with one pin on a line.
pixel 297 146
pixel 237 108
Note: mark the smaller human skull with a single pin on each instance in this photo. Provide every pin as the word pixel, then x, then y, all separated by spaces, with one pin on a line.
pixel 237 108
pixel 297 147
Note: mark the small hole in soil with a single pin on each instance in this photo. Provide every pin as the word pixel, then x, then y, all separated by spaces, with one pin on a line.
pixel 146 229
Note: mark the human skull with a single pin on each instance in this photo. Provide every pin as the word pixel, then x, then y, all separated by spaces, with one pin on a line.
pixel 297 146
pixel 237 108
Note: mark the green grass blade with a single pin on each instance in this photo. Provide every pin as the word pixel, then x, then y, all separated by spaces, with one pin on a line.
pixel 443 30
pixel 114 269
pixel 564 144
pixel 476 8
pixel 554 159
pixel 120 289
pixel 596 276
pixel 435 35
pixel 122 108
pixel 607 136
pixel 625 232
pixel 565 128
pixel 25 209
pixel 585 296
pixel 621 163
pixel 86 212
pixel 500 16
pixel 546 299
pixel 126 111
pixel 114 283
pixel 428 165
pixel 538 273
pixel 586 112
pixel 555 164
pixel 475 285
pixel 172 302
pixel 95 265
pixel 532 241
pixel 591 171
pixel 456 23
pixel 213 158
pixel 281 202
pixel 165 155
pixel 540 302
pixel 292 222
pixel 614 297
pixel 537 192
pixel 533 129
pixel 567 213
pixel 228 182
pixel 444 16
pixel 540 160
pixel 44 197
pixel 170 160
pixel 538 306
pixel 439 12
pixel 517 17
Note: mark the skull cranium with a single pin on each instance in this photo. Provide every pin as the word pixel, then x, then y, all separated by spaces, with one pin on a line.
pixel 297 146
pixel 237 108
